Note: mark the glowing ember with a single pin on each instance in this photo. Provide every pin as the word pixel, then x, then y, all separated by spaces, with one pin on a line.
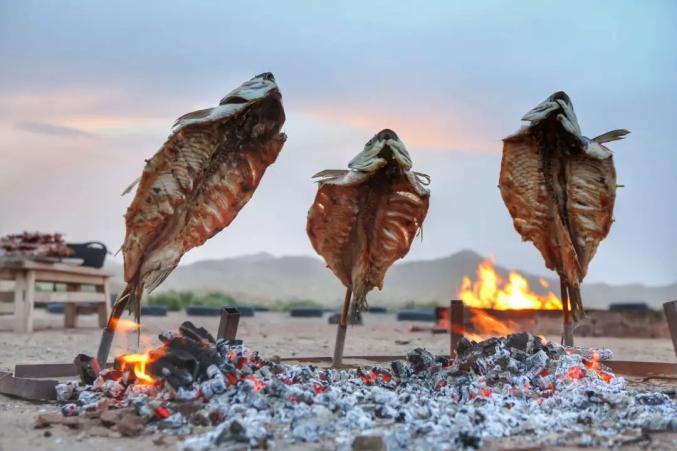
pixel 594 365
pixel 137 363
pixel 491 291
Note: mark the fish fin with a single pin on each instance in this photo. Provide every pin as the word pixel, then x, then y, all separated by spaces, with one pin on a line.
pixel 131 186
pixel 613 135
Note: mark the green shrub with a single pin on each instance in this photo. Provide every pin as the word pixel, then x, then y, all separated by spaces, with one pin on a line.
pixel 179 300
pixel 288 305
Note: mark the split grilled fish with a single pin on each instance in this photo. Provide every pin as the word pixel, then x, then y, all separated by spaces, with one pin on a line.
pixel 560 189
pixel 197 183
pixel 365 218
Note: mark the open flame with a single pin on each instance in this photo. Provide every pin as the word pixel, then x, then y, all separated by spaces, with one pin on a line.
pixel 124 325
pixel 493 292
pixel 137 363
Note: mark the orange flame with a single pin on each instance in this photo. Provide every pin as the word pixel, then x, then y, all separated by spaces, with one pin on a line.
pixel 488 325
pixel 137 363
pixel 491 291
pixel 125 325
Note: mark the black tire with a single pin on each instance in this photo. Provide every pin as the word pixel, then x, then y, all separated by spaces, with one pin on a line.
pixel 416 315
pixel 334 319
pixel 55 308
pixel 201 310
pixel 153 310
pixel 629 306
pixel 245 311
pixel 306 312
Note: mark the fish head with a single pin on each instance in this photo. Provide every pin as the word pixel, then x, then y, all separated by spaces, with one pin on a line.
pixel 259 96
pixel 385 147
pixel 257 88
pixel 558 107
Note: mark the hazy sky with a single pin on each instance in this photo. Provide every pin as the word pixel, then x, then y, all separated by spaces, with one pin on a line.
pixel 90 89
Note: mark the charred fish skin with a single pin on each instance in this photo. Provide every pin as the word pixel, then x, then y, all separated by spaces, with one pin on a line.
pixel 196 184
pixel 365 218
pixel 560 187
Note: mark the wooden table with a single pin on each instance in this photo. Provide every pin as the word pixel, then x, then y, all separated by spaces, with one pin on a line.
pixel 26 272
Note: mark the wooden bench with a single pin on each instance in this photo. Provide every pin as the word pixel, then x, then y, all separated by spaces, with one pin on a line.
pixel 26 272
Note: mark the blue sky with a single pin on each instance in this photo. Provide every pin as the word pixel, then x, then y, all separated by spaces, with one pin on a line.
pixel 90 89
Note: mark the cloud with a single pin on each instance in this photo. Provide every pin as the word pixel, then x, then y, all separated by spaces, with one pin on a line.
pixel 43 128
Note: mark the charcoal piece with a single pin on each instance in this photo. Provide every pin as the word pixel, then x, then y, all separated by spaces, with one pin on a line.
pixel 523 341
pixel 385 411
pixel 368 443
pixel 200 418
pixel 232 431
pixel 88 368
pixel 420 359
pixel 223 345
pixel 142 407
pixel 174 421
pixel 400 369
pixel 167 336
pixel 554 350
pixel 65 392
pixel 519 355
pixel 652 399
pixel 70 410
pixel 536 362
pixel 87 397
pixel 113 389
pixel 276 389
pixel 468 440
pixel 464 347
pixel 189 330
pixel 175 375
pixel 489 346
pixel 203 355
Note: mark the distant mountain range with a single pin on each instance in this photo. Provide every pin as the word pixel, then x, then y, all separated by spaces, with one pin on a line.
pixel 265 279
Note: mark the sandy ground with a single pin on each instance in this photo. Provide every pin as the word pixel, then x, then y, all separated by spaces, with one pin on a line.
pixel 270 333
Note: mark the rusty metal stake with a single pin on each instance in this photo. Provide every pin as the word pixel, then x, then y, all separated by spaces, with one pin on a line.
pixel 230 318
pixel 456 320
pixel 670 309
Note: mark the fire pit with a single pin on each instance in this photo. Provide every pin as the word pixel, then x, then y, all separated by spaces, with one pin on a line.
pixel 216 392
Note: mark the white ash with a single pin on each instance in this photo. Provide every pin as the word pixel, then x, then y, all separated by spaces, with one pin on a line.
pixel 512 386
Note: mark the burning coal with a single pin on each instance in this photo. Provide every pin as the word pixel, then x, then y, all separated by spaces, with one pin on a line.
pixel 219 394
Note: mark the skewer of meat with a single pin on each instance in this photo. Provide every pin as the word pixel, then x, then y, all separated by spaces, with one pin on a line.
pixel 365 218
pixel 195 185
pixel 560 188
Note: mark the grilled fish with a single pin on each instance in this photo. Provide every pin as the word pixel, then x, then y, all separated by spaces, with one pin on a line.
pixel 198 181
pixel 560 188
pixel 365 218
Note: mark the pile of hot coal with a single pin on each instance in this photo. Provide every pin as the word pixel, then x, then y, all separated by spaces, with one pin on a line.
pixel 216 394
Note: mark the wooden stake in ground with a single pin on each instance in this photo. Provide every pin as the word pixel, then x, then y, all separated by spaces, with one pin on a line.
pixel 365 218
pixel 560 189
pixel 342 329
pixel 567 323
